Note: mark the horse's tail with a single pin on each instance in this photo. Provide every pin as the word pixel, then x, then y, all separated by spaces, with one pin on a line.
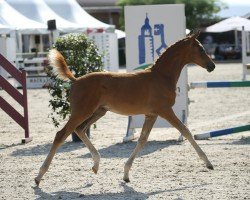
pixel 57 61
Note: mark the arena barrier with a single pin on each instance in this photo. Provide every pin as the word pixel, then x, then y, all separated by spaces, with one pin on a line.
pixel 221 132
pixel 219 84
pixel 20 76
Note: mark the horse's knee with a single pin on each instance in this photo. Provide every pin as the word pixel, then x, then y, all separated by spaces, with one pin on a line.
pixel 102 111
pixel 59 137
pixel 142 141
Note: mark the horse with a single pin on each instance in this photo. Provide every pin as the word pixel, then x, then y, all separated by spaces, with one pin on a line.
pixel 150 92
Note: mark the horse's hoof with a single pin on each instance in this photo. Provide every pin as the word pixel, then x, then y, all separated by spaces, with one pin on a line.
pixel 94 170
pixel 126 180
pixel 210 166
pixel 37 182
pixel 180 139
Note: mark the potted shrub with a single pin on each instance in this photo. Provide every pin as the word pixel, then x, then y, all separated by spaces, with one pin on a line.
pixel 82 57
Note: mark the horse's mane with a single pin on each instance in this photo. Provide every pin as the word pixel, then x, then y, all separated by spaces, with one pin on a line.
pixel 176 44
pixel 169 50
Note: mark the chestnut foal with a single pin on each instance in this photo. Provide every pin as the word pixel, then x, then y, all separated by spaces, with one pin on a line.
pixel 150 92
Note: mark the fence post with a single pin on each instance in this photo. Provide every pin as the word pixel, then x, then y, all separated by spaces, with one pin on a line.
pixel 25 107
pixel 22 120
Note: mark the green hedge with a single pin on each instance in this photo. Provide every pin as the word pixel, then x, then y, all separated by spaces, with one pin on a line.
pixel 82 57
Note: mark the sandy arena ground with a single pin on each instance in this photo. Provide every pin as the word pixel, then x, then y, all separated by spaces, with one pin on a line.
pixel 165 169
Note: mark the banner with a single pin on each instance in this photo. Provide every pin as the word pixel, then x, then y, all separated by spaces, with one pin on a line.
pixel 245 53
pixel 150 30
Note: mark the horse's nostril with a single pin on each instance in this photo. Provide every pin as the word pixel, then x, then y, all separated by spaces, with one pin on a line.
pixel 210 67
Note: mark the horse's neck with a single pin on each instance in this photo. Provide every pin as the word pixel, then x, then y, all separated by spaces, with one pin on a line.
pixel 170 64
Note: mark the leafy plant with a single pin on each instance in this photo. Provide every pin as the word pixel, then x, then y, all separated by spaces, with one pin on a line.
pixel 82 57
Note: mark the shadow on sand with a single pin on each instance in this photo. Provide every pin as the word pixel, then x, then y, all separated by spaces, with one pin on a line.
pixel 44 149
pixel 242 141
pixel 121 150
pixel 128 193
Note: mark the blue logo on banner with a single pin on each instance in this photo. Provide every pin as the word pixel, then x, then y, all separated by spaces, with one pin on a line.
pixel 146 42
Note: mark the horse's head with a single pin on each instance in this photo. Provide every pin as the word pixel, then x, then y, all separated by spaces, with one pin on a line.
pixel 198 54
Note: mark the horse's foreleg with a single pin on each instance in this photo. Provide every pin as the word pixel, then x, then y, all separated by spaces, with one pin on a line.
pixel 147 126
pixel 60 137
pixel 81 132
pixel 170 116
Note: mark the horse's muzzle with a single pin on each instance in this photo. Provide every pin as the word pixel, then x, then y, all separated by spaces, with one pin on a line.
pixel 210 67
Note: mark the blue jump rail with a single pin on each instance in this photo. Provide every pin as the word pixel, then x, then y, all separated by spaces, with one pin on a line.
pixel 222 132
pixel 220 84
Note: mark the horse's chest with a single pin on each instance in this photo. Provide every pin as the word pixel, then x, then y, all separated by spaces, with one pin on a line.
pixel 164 97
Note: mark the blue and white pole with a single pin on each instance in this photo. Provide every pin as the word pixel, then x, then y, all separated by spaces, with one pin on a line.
pixel 221 132
pixel 219 84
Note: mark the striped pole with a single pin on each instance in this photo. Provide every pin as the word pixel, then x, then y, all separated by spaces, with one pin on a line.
pixel 221 132
pixel 144 66
pixel 220 84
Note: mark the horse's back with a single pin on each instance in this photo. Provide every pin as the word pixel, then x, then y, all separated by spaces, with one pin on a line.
pixel 123 93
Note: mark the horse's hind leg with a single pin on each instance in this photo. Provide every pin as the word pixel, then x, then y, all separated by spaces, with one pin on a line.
pixel 60 137
pixel 147 126
pixel 81 132
pixel 170 116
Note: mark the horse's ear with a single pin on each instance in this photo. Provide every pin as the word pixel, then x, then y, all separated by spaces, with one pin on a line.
pixel 190 33
pixel 194 34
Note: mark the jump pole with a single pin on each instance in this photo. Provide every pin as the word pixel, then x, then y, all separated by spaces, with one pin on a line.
pixel 221 132
pixel 219 84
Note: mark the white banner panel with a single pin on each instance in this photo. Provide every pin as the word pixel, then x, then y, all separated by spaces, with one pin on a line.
pixel 150 30
pixel 245 53
pixel 107 44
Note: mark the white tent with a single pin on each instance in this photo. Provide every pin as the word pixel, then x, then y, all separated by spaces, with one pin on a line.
pixel 230 24
pixel 69 16
pixel 12 19
pixel 39 11
pixel 72 11
pixel 120 34
pixel 30 17
pixel 5 29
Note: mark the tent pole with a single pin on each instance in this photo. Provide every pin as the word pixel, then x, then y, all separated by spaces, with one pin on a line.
pixel 50 38
pixel 236 38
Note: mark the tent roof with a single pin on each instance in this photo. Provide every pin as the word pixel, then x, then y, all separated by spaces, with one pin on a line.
pixel 71 10
pixel 40 12
pixel 232 23
pixel 5 29
pixel 69 16
pixel 120 34
pixel 14 20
